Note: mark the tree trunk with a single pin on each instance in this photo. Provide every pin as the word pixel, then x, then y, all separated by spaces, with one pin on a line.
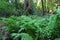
pixel 42 7
pixel 25 4
pixel 28 6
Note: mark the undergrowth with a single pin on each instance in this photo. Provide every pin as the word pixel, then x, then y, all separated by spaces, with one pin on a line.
pixel 33 27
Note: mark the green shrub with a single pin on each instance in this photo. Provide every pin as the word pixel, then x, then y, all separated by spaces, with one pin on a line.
pixel 57 39
pixel 24 36
pixel 7 9
pixel 37 28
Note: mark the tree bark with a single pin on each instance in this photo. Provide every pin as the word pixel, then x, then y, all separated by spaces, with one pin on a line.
pixel 28 6
pixel 42 7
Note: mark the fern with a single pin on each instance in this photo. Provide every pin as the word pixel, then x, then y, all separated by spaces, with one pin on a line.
pixel 27 27
pixel 24 36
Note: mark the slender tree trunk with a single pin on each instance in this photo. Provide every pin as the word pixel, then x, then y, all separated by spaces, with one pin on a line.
pixel 42 7
pixel 25 4
pixel 28 6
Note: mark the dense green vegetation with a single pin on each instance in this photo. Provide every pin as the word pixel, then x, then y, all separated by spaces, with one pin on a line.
pixel 29 20
pixel 33 27
pixel 6 9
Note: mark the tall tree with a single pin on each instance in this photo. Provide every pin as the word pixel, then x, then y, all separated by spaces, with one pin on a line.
pixel 28 5
pixel 42 7
pixel 25 4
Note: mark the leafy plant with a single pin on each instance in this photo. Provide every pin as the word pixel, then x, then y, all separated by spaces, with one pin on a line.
pixel 38 28
pixel 7 9
pixel 24 36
